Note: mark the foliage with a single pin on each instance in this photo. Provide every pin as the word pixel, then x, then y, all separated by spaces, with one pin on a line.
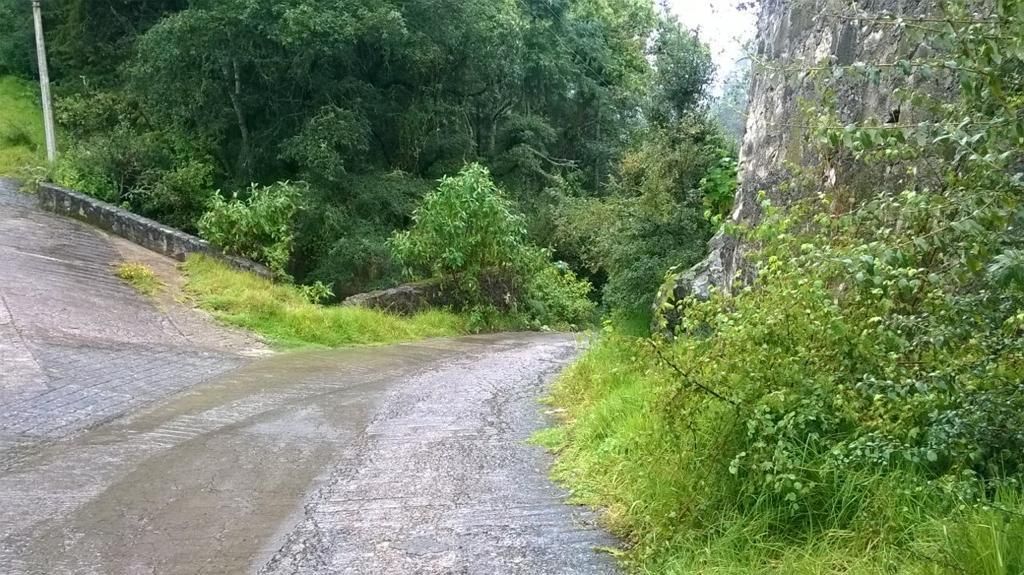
pixel 140 276
pixel 683 67
pixel 468 234
pixel 653 220
pixel 286 315
pixel 258 226
pixel 16 38
pixel 425 85
pixel 166 101
pixel 21 127
pixel 554 296
pixel 858 407
pixel 341 239
pixel 164 175
pixel 316 292
pixel 90 39
pixel 718 189
pixel 352 255
pixel 462 231
pixel 670 496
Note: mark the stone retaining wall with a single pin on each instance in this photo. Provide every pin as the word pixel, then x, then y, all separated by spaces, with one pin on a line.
pixel 133 227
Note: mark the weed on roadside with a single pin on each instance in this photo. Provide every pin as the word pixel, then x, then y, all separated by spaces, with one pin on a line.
pixel 140 277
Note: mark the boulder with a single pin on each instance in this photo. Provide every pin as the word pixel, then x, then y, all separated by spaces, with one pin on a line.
pixel 500 288
pixel 404 299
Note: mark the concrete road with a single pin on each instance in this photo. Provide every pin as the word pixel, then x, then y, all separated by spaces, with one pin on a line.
pixel 129 449
pixel 78 346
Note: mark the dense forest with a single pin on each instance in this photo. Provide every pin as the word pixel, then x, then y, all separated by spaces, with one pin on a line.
pixel 332 120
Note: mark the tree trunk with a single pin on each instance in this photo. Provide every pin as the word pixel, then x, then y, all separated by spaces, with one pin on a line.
pixel 244 152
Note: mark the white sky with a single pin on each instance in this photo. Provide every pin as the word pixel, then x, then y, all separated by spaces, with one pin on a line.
pixel 721 25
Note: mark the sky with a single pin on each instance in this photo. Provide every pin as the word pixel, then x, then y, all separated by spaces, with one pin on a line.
pixel 721 25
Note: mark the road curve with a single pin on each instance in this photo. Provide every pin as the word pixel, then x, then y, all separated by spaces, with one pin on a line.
pixel 135 440
pixel 405 459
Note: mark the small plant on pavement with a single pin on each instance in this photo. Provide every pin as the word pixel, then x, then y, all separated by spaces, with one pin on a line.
pixel 141 277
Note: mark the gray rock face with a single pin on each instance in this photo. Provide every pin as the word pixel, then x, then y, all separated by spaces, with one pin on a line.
pixel 793 36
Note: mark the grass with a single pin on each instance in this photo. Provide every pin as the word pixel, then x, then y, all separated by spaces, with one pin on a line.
pixel 141 277
pixel 283 315
pixel 675 516
pixel 21 127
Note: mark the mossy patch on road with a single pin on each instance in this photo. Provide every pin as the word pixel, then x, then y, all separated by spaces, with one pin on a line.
pixel 282 314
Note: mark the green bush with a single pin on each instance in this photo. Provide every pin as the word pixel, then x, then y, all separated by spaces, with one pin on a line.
pixel 341 238
pixel 555 297
pixel 356 260
pixel 462 231
pixel 467 233
pixel 259 226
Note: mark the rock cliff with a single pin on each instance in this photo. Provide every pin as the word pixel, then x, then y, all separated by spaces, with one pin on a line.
pixel 793 37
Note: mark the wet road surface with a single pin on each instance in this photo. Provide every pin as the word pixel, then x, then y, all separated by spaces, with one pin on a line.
pixel 78 346
pixel 405 459
pixel 169 454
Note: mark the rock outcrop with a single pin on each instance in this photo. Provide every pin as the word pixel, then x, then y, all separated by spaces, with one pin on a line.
pixel 794 36
pixel 497 289
pixel 404 299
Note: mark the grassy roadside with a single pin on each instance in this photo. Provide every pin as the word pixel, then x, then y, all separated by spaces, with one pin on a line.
pixel 616 452
pixel 21 126
pixel 282 314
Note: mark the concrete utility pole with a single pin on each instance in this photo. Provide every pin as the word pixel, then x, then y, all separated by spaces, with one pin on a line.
pixel 44 83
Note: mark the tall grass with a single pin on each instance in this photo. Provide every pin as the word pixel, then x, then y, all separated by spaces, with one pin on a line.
pixel 21 127
pixel 282 314
pixel 677 514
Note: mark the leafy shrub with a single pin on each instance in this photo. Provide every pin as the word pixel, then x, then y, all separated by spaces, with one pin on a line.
pixel 316 292
pixel 259 226
pixel 341 239
pixel 355 261
pixel 864 351
pixel 467 233
pixel 461 231
pixel 718 189
pixel 555 297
